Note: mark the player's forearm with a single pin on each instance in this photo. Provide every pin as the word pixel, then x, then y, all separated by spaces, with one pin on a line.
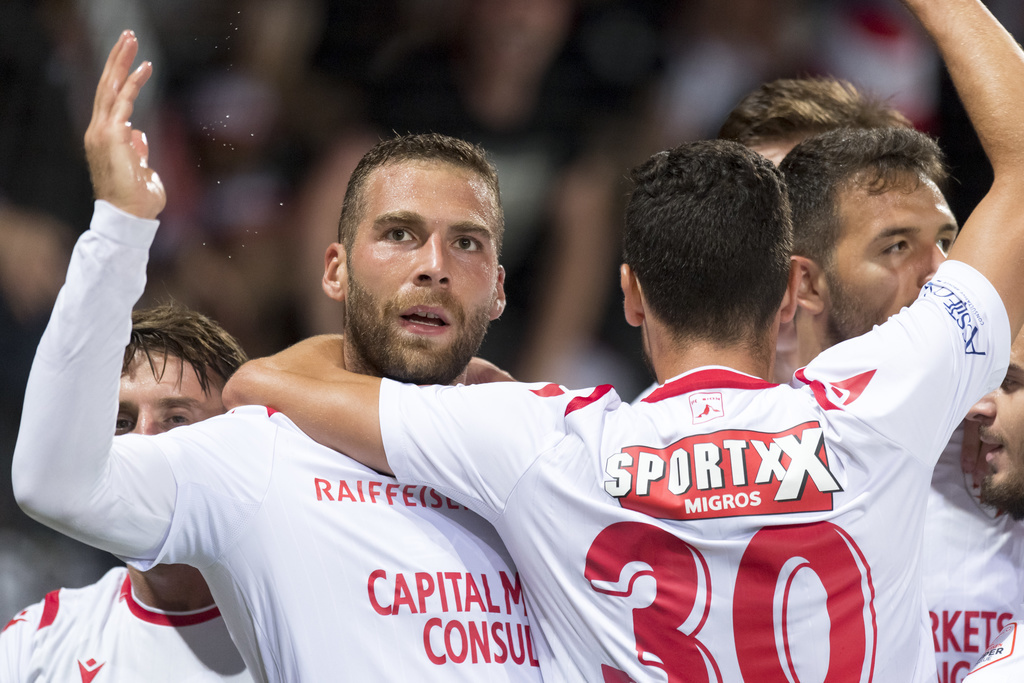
pixel 307 383
pixel 60 466
pixel 987 68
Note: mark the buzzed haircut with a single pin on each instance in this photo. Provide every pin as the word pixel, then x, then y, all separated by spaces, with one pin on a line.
pixel 878 160
pixel 432 147
pixel 791 109
pixel 708 235
pixel 174 330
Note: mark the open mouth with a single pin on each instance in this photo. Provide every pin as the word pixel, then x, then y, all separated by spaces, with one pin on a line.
pixel 427 318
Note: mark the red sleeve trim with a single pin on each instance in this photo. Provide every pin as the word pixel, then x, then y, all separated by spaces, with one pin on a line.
pixel 50 606
pixel 818 388
pixel 18 618
pixel 144 613
pixel 548 390
pixel 584 401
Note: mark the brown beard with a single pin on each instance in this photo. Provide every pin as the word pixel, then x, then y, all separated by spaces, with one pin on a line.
pixel 1008 495
pixel 370 330
pixel 846 318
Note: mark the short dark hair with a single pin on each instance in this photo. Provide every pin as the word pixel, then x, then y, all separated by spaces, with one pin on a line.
pixel 708 235
pixel 432 147
pixel 174 330
pixel 821 167
pixel 795 108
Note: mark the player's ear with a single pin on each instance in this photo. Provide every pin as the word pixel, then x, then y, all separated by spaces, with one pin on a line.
pixel 498 306
pixel 335 282
pixel 811 285
pixel 787 309
pixel 632 296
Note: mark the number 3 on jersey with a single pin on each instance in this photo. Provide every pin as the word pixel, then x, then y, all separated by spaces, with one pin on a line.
pixel 667 629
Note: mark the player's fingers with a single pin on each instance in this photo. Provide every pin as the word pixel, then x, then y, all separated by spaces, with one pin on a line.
pixel 124 104
pixel 119 62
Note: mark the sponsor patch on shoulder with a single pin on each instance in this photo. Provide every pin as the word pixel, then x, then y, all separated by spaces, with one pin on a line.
pixel 1000 649
pixel 962 311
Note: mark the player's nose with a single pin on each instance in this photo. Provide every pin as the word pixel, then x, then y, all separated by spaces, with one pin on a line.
pixel 146 424
pixel 984 411
pixel 432 261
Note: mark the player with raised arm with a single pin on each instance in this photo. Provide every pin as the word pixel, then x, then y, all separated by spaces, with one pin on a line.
pixel 159 625
pixel 864 254
pixel 322 568
pixel 726 528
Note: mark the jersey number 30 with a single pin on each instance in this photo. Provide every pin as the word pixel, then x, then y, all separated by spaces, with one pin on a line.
pixel 761 600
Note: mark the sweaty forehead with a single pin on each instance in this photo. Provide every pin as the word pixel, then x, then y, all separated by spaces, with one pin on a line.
pixel 167 376
pixel 909 202
pixel 430 183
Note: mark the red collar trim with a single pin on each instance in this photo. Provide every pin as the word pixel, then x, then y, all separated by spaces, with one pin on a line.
pixel 717 378
pixel 176 619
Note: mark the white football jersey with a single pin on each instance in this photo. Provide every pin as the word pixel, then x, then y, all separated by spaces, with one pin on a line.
pixel 1003 661
pixel 973 567
pixel 725 528
pixel 102 634
pixel 323 569
pixel 316 560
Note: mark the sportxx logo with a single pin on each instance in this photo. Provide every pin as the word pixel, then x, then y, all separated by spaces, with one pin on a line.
pixel 731 473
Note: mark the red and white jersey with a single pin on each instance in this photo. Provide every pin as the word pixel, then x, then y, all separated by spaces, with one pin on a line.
pixel 725 528
pixel 318 562
pixel 102 634
pixel 322 569
pixel 1003 660
pixel 973 567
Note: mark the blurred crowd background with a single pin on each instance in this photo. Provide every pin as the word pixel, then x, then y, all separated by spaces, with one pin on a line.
pixel 259 109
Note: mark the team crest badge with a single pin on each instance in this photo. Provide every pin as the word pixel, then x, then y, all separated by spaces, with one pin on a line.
pixel 706 407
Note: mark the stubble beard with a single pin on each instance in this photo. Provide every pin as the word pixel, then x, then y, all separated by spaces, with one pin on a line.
pixel 382 352
pixel 846 317
pixel 1007 495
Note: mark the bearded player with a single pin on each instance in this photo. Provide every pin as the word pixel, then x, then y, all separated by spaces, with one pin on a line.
pixel 322 568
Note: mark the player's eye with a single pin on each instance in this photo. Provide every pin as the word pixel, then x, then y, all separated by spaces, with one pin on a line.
pixel 944 244
pixel 177 421
pixel 467 244
pixel 896 248
pixel 124 425
pixel 398 235
pixel 1009 385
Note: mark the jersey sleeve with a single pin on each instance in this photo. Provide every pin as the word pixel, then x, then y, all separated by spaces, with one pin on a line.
pixel 16 643
pixel 221 469
pixel 67 472
pixel 913 379
pixel 474 443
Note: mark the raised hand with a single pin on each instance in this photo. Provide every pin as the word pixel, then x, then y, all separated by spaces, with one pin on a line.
pixel 118 155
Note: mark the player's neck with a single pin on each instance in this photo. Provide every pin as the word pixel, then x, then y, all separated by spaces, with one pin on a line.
pixel 171 588
pixel 671 358
pixel 811 336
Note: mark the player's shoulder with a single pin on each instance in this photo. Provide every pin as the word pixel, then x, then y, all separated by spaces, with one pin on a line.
pixel 69 603
pixel 573 401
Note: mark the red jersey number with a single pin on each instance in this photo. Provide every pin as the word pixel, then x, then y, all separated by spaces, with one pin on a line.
pixel 626 551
